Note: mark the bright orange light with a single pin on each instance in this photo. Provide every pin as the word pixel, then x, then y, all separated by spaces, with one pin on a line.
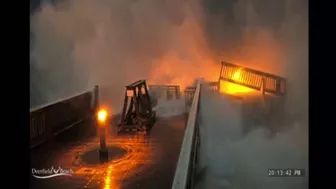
pixel 102 114
pixel 236 75
pixel 232 88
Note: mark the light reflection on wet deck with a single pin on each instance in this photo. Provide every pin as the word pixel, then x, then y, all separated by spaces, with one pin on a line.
pixel 149 162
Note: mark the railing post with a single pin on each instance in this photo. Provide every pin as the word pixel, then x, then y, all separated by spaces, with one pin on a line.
pixel 49 130
pixel 177 92
pixel 278 86
pixel 263 87
pixel 95 105
pixel 263 84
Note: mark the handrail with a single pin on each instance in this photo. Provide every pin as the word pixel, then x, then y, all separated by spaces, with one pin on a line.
pixel 252 78
pixel 185 166
pixel 54 118
pixel 58 101
pixel 158 90
pixel 164 86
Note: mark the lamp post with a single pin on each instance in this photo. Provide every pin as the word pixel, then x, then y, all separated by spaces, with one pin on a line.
pixel 103 152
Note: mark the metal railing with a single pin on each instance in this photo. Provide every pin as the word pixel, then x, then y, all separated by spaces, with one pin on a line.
pixel 186 165
pixel 159 90
pixel 214 85
pixel 52 119
pixel 254 79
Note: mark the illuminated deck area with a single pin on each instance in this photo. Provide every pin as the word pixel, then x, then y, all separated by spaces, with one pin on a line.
pixel 149 162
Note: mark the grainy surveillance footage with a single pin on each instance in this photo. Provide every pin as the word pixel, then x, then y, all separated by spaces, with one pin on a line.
pixel 76 44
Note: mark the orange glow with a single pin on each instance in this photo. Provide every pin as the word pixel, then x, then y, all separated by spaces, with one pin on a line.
pixel 109 178
pixel 232 88
pixel 102 114
pixel 259 50
pixel 171 71
pixel 187 59
pixel 192 57
pixel 236 75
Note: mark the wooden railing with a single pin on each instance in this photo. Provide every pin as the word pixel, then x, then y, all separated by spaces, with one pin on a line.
pixel 254 79
pixel 52 119
pixel 170 90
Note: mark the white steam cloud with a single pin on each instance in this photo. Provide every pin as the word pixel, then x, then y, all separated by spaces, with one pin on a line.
pixel 269 35
pixel 80 43
pixel 230 160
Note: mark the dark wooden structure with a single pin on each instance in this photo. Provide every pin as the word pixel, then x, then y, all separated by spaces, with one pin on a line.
pixel 137 114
